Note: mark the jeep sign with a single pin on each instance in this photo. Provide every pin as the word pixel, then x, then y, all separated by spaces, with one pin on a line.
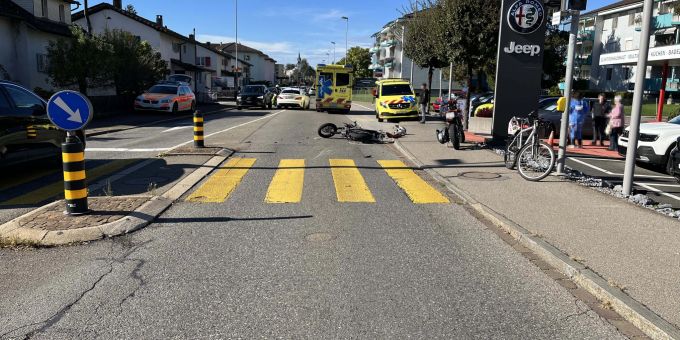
pixel 520 62
pixel 531 50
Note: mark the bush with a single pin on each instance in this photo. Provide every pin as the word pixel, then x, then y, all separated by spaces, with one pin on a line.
pixel 484 111
pixel 555 91
pixel 674 114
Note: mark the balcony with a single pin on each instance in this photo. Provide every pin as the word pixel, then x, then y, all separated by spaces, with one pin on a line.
pixel 374 49
pixel 663 21
pixel 586 35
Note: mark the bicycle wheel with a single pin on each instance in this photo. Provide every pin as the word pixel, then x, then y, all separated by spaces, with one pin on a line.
pixel 535 161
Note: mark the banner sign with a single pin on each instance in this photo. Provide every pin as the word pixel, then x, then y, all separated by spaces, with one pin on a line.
pixel 519 65
pixel 631 57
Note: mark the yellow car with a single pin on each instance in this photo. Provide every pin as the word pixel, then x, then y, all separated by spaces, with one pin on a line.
pixel 293 97
pixel 395 99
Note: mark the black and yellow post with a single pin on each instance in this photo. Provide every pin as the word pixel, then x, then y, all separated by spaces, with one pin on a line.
pixel 198 129
pixel 75 184
pixel 31 132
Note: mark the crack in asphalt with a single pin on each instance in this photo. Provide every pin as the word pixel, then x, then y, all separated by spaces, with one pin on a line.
pixel 57 316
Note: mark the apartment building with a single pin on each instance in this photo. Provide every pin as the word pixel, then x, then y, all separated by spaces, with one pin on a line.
pixel 264 67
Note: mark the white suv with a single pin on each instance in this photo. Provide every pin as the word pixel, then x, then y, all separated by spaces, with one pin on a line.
pixel 655 143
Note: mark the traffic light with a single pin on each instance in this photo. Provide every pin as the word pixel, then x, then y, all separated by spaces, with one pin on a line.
pixel 576 5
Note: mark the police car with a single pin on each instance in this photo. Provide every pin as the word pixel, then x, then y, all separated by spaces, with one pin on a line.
pixel 169 96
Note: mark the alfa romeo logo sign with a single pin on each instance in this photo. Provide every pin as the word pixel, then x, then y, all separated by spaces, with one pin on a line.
pixel 526 16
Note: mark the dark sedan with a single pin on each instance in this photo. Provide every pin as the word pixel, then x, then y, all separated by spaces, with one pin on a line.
pixel 549 113
pixel 26 133
pixel 252 96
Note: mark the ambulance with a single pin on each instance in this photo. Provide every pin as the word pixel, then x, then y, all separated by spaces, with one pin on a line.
pixel 334 88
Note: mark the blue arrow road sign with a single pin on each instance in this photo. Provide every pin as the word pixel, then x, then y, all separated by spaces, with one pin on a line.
pixel 69 110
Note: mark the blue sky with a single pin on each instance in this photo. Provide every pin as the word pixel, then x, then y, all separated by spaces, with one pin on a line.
pixel 282 29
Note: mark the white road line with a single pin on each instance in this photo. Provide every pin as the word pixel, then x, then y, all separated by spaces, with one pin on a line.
pixel 592 166
pixel 178 145
pixel 369 109
pixel 657 191
pixel 125 150
pixel 600 159
pixel 662 185
pixel 176 128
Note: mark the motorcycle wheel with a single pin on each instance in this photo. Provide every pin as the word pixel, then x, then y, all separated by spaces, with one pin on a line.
pixel 453 135
pixel 327 130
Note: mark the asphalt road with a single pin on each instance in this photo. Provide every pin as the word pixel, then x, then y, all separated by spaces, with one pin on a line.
pixel 323 267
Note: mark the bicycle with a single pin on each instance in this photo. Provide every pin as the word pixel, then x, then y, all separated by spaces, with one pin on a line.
pixel 534 158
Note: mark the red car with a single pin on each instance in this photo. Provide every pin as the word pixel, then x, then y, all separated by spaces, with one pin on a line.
pixel 438 102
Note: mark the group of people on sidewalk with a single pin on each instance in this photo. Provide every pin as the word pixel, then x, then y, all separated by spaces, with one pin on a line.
pixel 607 119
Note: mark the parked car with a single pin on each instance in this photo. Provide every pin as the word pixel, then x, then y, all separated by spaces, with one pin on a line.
pixel 26 133
pixel 293 97
pixel 252 95
pixel 549 113
pixel 445 97
pixel 655 143
pixel 675 160
pixel 480 98
pixel 169 96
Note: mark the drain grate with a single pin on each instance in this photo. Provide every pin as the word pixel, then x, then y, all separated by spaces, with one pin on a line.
pixel 480 175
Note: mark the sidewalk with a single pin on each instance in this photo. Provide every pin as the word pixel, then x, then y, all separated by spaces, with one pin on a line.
pixel 632 248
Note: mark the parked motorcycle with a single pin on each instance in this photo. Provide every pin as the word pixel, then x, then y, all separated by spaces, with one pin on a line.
pixel 454 131
pixel 353 131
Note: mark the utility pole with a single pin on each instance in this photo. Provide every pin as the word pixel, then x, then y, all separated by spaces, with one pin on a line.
pixel 640 73
pixel 401 55
pixel 346 38
pixel 236 21
pixel 568 80
pixel 333 42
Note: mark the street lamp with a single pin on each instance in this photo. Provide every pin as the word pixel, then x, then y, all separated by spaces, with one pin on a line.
pixel 333 42
pixel 236 23
pixel 346 34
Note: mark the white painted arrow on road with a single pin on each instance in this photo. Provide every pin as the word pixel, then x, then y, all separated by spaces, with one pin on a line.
pixel 72 116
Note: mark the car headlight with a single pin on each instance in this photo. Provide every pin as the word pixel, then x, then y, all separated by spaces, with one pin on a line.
pixel 648 138
pixel 238 97
pixel 383 104
pixel 260 97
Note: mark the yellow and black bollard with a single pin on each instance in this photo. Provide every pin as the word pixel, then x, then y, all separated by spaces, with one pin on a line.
pixel 31 132
pixel 198 129
pixel 75 184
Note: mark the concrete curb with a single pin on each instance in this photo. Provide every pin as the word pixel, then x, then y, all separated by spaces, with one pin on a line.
pixel 633 311
pixel 105 131
pixel 138 219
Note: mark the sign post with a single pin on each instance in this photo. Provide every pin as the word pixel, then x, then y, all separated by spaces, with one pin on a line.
pixel 520 61
pixel 568 81
pixel 72 111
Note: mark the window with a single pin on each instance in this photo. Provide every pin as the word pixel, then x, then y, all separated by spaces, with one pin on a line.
pixel 62 14
pixel 342 79
pixel 23 99
pixel 247 57
pixel 631 18
pixel 609 73
pixel 397 90
pixel 203 61
pixel 626 73
pixel 43 6
pixel 163 89
pixel 43 62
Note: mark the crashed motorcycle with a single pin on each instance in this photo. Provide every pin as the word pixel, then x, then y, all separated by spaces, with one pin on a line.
pixel 352 131
pixel 453 132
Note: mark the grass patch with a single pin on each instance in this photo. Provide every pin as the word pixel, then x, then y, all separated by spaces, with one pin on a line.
pixel 649 110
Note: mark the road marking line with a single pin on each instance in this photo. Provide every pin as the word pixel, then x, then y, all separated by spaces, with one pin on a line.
pixel 662 185
pixel 56 189
pixel 286 187
pixel 419 191
pixel 369 109
pixel 126 149
pixel 349 184
pixel 593 166
pixel 657 191
pixel 223 182
pixel 176 128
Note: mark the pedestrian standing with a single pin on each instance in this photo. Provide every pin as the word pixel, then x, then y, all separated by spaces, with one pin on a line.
pixel 599 113
pixel 424 103
pixel 616 123
pixel 578 109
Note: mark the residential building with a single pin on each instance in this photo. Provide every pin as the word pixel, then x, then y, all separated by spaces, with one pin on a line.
pixel 608 42
pixel 280 71
pixel 184 55
pixel 26 29
pixel 388 59
pixel 263 66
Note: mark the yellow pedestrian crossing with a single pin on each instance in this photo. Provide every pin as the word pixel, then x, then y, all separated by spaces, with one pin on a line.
pixel 288 181
pixel 349 184
pixel 415 187
pixel 286 187
pixel 223 182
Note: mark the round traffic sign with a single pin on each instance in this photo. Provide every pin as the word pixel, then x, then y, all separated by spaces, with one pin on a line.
pixel 69 110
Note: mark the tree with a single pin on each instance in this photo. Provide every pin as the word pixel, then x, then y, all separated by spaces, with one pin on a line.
pixel 134 65
pixel 130 8
pixel 78 60
pixel 290 67
pixel 554 54
pixel 422 45
pixel 303 71
pixel 360 59
pixel 471 35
